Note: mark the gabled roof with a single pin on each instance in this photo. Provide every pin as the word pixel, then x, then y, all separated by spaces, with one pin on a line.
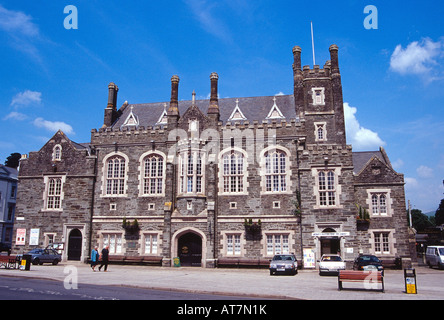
pixel 131 119
pixel 362 159
pixel 8 173
pixel 253 108
pixel 237 113
pixel 275 113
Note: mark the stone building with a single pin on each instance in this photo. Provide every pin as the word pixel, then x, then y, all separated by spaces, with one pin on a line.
pixel 217 181
pixel 8 193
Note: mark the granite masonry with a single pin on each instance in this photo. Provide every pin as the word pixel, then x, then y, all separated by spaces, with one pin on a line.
pixel 217 182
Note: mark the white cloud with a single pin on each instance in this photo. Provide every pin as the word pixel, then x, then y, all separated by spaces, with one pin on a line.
pixel 53 125
pixel 424 172
pixel 17 23
pixel 26 98
pixel 202 10
pixel 398 164
pixel 419 58
pixel 359 137
pixel 280 93
pixel 16 116
pixel 411 183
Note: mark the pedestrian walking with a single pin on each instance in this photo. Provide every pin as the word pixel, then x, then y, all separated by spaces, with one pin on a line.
pixel 105 258
pixel 94 258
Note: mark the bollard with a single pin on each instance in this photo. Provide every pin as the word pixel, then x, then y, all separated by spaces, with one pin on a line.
pixel 410 281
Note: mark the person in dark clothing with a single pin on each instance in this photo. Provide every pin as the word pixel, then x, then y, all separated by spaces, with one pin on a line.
pixel 105 258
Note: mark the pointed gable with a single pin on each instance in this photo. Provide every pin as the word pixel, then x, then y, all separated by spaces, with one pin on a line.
pixel 237 113
pixel 377 171
pixel 275 112
pixel 163 119
pixel 132 120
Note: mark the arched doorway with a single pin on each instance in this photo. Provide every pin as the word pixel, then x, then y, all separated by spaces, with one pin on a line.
pixel 189 250
pixel 75 245
pixel 330 243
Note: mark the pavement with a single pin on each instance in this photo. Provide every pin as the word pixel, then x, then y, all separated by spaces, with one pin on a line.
pixel 256 283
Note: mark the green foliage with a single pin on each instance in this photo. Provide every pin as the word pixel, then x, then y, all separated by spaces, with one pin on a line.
pixel 362 213
pixel 439 214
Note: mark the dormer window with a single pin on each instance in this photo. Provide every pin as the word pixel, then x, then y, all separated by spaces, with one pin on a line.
pixel 318 95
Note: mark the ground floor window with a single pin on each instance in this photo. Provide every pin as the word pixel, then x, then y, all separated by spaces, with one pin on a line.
pixel 151 244
pixel 382 242
pixel 277 244
pixel 114 241
pixel 233 244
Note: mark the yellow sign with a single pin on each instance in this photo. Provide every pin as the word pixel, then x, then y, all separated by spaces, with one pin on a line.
pixel 410 285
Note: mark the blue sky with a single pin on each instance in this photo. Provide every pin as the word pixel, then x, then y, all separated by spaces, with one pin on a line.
pixel 55 78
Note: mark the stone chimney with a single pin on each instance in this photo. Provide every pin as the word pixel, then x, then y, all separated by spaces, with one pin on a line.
pixel 213 110
pixel 173 110
pixel 111 108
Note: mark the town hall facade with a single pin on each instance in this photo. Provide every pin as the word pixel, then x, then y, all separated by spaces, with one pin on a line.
pixel 216 182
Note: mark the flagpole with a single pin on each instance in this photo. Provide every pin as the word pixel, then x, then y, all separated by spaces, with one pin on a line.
pixel 312 43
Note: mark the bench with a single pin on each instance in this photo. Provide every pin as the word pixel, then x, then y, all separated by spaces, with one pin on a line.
pixel 9 262
pixel 369 278
pixel 395 263
pixel 142 260
pixel 242 262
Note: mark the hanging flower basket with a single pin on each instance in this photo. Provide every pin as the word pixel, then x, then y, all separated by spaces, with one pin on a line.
pixel 253 229
pixel 130 227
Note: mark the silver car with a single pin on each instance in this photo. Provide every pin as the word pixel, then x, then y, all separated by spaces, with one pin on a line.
pixel 284 263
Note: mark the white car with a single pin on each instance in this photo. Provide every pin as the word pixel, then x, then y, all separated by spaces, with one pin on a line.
pixel 331 263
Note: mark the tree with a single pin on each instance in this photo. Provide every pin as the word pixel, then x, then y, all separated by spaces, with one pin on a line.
pixel 420 221
pixel 13 160
pixel 439 214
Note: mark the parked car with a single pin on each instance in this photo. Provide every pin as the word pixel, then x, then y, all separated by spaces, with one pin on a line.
pixel 435 256
pixel 284 263
pixel 41 256
pixel 331 263
pixel 368 262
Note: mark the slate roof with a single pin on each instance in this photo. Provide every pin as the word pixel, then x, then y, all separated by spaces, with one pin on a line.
pixel 254 108
pixel 360 159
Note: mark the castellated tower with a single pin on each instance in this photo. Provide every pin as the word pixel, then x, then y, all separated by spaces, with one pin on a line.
pixel 318 98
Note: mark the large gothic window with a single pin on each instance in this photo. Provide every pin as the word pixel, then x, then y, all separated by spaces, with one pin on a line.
pixel 115 175
pixel 233 172
pixel 275 171
pixel 191 172
pixel 54 193
pixel 153 175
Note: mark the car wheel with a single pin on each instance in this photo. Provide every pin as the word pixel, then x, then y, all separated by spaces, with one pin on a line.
pixel 55 262
pixel 36 261
pixel 271 273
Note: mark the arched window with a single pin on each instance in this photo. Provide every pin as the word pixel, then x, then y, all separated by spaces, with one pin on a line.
pixel 191 172
pixel 275 171
pixel 115 175
pixel 57 153
pixel 233 172
pixel 153 175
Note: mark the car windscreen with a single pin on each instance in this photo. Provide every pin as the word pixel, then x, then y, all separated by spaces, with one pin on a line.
pixel 441 251
pixel 283 257
pixel 369 258
pixel 331 258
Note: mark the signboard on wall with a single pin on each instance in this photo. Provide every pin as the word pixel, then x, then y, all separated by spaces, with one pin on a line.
pixel 20 237
pixel 309 258
pixel 34 237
